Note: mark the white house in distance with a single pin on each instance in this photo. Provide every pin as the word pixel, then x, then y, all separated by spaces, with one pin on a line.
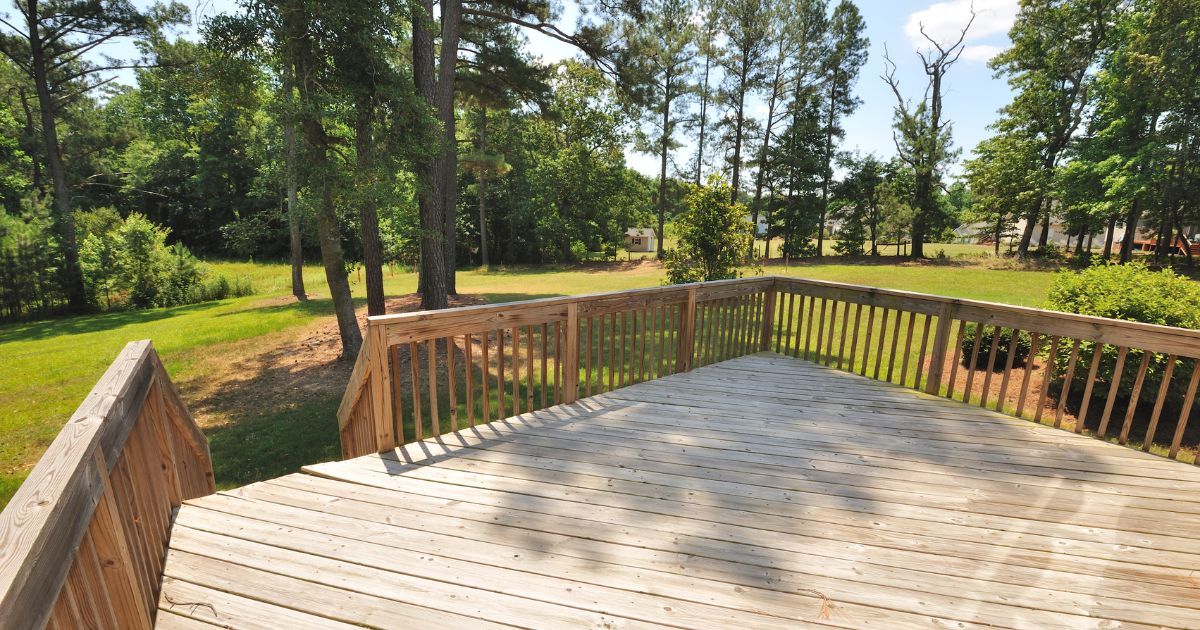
pixel 640 240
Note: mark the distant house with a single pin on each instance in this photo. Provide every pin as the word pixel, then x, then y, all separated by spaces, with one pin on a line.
pixel 640 240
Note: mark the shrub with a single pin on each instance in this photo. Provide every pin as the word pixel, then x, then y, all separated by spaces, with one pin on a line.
pixel 714 235
pixel 1130 292
pixel 132 260
pixel 1020 351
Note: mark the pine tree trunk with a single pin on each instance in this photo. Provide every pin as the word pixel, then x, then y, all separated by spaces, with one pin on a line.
pixel 64 223
pixel 430 204
pixel 372 249
pixel 485 260
pixel 448 164
pixel 295 244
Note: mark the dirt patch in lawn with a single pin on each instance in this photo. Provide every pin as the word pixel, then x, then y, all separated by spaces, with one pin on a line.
pixel 278 371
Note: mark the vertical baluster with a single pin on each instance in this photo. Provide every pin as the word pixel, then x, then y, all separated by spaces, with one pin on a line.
pixel 451 392
pixel 1158 403
pixel 1097 354
pixel 641 347
pixel 1114 385
pixel 501 382
pixel 469 350
pixel 612 351
pixel 845 329
pixel 816 358
pixel 1034 348
pixel 621 354
pixel 1047 376
pixel 558 367
pixel 867 342
pixel 895 344
pixel 1134 396
pixel 587 356
pixel 1066 386
pixel 652 334
pixel 435 421
pixel 798 334
pixel 665 336
pixel 854 337
pixel 780 342
pixel 730 326
pixel 924 346
pixel 989 366
pixel 1185 413
pixel 971 367
pixel 832 326
pixel 414 360
pixel 397 400
pixel 879 348
pixel 1008 365
pixel 908 339
pixel 545 359
pixel 957 358
pixel 485 381
pixel 812 303
pixel 529 369
pixel 516 365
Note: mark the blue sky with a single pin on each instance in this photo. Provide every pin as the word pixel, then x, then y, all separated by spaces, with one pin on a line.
pixel 972 95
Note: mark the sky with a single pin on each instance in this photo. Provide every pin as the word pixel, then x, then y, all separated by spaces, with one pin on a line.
pixel 972 95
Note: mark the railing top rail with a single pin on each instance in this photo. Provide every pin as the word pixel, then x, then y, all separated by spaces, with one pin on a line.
pixel 421 316
pixel 47 518
pixel 1152 337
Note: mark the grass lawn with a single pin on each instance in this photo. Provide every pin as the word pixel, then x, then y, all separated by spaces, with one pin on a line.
pixel 223 354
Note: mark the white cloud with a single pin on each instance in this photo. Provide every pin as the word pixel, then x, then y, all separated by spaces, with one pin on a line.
pixel 982 53
pixel 943 21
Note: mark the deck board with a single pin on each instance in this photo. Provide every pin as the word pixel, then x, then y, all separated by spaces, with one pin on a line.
pixel 758 492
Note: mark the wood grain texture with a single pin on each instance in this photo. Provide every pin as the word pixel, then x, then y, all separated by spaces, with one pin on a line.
pixel 82 542
pixel 759 492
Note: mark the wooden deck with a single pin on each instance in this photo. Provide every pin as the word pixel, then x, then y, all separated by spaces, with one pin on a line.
pixel 761 492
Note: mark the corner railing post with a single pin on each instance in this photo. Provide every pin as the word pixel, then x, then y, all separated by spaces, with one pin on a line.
pixel 571 356
pixel 687 334
pixel 768 318
pixel 380 387
pixel 941 340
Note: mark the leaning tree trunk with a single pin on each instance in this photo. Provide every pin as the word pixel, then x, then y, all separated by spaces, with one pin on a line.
pixel 1108 238
pixel 372 249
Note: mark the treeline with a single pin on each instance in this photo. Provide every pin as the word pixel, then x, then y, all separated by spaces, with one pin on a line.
pixel 1103 130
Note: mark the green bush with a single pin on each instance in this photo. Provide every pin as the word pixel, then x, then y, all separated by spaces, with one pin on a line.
pixel 714 235
pixel 1020 351
pixel 1129 292
pixel 132 265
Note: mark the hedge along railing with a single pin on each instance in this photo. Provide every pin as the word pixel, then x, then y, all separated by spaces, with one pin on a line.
pixel 591 344
pixel 83 541
pixel 424 373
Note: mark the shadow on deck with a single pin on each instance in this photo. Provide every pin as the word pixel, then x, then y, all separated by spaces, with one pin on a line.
pixel 758 492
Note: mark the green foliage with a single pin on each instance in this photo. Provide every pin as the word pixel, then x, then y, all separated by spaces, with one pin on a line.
pixel 132 261
pixel 713 235
pixel 30 260
pixel 1130 292
pixel 1020 351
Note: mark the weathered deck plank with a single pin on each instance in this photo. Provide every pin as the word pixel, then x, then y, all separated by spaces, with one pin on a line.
pixel 758 492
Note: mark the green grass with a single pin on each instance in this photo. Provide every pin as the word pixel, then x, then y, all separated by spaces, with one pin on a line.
pixel 50 365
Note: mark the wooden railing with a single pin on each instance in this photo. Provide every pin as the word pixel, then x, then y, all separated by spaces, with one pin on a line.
pixel 424 373
pixel 83 541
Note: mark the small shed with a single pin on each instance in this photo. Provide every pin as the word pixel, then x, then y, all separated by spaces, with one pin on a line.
pixel 640 240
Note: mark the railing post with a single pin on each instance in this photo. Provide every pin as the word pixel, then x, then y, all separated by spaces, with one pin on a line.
pixel 571 356
pixel 380 383
pixel 687 334
pixel 768 318
pixel 941 339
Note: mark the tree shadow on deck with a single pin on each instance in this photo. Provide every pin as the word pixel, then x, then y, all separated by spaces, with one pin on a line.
pixel 845 493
